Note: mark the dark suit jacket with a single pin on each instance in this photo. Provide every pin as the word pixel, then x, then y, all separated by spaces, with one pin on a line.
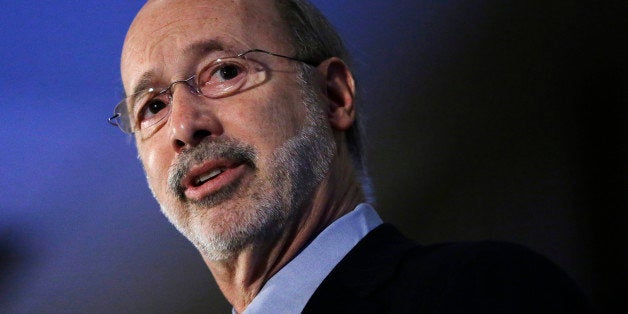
pixel 387 273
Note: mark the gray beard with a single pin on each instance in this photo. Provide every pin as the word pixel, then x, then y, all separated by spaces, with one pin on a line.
pixel 300 165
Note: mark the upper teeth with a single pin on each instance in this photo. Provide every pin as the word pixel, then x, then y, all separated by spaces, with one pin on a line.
pixel 208 176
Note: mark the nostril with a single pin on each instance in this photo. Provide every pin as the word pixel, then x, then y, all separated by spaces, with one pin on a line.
pixel 201 134
pixel 179 143
pixel 196 138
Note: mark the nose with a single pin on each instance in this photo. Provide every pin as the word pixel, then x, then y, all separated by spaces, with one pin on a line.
pixel 192 119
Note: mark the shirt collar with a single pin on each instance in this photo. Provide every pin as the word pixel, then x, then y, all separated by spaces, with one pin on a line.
pixel 289 289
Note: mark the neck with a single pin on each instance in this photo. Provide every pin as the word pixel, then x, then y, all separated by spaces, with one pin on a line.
pixel 243 276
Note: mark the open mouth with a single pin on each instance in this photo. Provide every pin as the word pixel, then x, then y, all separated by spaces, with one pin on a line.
pixel 206 177
pixel 209 178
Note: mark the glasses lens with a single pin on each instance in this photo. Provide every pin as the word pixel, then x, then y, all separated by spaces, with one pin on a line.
pixel 221 78
pixel 121 117
pixel 227 76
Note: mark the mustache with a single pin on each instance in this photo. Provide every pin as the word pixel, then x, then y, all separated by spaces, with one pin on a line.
pixel 224 148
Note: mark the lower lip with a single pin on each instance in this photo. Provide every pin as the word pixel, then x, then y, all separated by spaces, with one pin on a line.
pixel 229 176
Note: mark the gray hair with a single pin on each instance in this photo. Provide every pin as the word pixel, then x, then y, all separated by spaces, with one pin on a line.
pixel 316 40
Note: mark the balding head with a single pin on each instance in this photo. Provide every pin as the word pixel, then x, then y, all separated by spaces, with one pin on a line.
pixel 163 27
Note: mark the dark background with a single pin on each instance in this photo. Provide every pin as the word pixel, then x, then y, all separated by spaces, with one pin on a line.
pixel 486 120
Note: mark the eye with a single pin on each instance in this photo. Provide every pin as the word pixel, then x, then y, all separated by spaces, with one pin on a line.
pixel 223 72
pixel 151 108
pixel 222 77
pixel 152 112
pixel 228 72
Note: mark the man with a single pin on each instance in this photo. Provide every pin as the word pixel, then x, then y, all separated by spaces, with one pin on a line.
pixel 245 120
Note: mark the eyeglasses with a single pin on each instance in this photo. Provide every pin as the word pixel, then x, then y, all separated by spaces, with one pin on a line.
pixel 222 77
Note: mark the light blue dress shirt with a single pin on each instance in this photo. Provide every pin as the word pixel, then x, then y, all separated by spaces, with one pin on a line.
pixel 289 289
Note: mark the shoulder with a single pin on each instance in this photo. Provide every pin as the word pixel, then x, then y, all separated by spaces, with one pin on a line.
pixel 486 277
pixel 391 273
pixel 488 257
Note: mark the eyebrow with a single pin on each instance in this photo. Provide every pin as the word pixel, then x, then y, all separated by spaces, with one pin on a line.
pixel 198 48
pixel 203 47
pixel 145 82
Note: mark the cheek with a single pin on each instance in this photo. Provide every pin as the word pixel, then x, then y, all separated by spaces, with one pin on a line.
pixel 272 121
pixel 156 167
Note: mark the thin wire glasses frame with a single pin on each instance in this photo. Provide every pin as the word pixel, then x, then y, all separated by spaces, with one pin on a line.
pixel 222 77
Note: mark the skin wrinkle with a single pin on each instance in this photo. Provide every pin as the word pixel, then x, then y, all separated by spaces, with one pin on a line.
pixel 200 48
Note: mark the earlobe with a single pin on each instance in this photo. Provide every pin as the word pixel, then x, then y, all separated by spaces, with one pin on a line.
pixel 340 91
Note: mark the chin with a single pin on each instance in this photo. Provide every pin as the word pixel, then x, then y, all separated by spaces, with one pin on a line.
pixel 222 231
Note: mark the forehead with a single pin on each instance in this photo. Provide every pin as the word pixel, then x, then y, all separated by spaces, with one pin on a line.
pixel 165 29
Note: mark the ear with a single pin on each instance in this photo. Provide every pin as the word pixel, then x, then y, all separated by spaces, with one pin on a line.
pixel 340 91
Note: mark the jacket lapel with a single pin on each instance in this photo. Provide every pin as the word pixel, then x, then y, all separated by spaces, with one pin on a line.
pixel 366 267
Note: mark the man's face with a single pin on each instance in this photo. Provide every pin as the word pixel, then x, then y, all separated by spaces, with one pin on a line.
pixel 229 171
